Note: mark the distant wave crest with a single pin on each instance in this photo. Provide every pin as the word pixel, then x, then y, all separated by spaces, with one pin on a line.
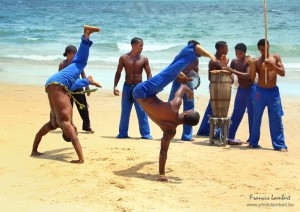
pixel 147 47
pixel 35 57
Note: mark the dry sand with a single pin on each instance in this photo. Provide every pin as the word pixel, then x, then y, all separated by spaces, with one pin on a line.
pixel 120 175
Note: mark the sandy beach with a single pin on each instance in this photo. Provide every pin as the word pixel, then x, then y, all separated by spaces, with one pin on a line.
pixel 120 175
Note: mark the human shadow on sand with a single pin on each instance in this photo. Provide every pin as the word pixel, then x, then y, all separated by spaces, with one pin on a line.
pixel 134 172
pixel 129 138
pixel 228 147
pixel 56 155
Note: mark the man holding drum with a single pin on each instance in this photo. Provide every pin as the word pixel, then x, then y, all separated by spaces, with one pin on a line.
pixel 166 114
pixel 222 50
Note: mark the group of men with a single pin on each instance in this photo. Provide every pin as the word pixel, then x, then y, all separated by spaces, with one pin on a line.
pixel 61 86
pixel 247 93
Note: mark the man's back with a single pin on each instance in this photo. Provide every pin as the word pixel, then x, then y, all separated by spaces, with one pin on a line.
pixel 164 114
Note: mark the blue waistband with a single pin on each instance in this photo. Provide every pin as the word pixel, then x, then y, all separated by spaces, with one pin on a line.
pixel 130 85
pixel 258 88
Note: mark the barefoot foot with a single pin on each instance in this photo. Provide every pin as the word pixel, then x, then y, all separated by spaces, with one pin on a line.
pixel 92 82
pixel 253 147
pixel 36 154
pixel 77 161
pixel 89 30
pixel 283 150
pixel 162 178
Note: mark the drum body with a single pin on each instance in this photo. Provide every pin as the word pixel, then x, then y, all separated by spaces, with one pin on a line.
pixel 220 92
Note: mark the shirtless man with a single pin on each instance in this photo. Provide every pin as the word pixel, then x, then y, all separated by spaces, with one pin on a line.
pixel 221 52
pixel 243 98
pixel 58 88
pixel 166 114
pixel 267 95
pixel 80 98
pixel 133 63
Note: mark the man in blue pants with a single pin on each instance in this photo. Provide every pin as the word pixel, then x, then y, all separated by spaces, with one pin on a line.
pixel 79 96
pixel 244 94
pixel 133 63
pixel 166 114
pixel 222 50
pixel 58 88
pixel 187 132
pixel 267 95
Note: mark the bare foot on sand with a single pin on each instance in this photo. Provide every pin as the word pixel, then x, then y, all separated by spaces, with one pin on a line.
pixel 77 161
pixel 283 150
pixel 253 147
pixel 92 82
pixel 36 154
pixel 162 178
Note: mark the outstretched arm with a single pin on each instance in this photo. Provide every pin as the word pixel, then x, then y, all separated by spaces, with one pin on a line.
pixel 38 137
pixel 239 74
pixel 164 146
pixel 204 53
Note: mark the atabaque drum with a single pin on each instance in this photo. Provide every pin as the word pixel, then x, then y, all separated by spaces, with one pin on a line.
pixel 220 92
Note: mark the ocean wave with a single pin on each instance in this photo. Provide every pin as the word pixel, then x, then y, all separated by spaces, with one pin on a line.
pixel 148 47
pixel 31 38
pixel 35 57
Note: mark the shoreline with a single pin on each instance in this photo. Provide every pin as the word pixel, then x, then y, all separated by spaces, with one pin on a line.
pixel 37 74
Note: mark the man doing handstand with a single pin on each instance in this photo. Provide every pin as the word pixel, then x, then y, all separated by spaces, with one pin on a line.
pixel 166 114
pixel 58 88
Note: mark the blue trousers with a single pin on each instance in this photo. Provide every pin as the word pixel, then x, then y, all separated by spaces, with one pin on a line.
pixel 270 98
pixel 127 102
pixel 204 126
pixel 243 99
pixel 157 83
pixel 84 112
pixel 69 76
pixel 187 105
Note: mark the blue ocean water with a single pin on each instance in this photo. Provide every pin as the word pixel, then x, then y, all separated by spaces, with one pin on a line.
pixel 34 33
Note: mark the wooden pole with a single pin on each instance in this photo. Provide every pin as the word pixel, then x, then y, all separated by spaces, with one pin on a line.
pixel 266 39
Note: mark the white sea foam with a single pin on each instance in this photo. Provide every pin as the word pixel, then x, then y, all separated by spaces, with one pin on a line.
pixel 35 57
pixel 147 47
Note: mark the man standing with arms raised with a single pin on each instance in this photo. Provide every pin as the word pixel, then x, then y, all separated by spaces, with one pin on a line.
pixel 133 63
